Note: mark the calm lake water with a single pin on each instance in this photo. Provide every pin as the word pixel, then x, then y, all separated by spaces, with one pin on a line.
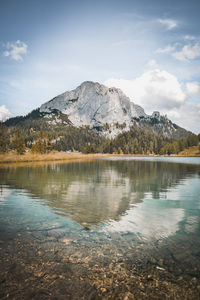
pixel 115 228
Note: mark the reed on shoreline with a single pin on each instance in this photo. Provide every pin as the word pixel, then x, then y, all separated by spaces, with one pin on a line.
pixel 13 157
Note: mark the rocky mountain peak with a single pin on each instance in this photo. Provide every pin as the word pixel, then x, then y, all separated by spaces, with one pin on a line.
pixel 108 111
pixel 95 105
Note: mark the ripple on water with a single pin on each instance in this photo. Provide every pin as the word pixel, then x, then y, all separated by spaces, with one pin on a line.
pixel 116 229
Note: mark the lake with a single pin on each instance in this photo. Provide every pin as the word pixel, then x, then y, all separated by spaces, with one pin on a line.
pixel 111 228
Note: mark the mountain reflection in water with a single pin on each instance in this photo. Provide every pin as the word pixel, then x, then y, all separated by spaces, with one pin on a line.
pixel 104 229
pixel 122 195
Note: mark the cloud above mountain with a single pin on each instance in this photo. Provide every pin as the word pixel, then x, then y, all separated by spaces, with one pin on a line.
pixel 188 52
pixel 153 89
pixel 169 24
pixel 4 113
pixel 73 43
pixel 160 90
pixel 167 49
pixel 193 88
pixel 16 50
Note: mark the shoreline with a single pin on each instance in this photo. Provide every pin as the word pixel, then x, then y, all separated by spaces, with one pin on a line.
pixel 13 158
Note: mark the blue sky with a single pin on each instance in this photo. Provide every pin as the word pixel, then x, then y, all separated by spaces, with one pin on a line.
pixel 148 48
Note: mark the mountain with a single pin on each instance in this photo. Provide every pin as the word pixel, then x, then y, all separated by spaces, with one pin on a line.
pixel 108 111
pixel 95 105
pixel 96 115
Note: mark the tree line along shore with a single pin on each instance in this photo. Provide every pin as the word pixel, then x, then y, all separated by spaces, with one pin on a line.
pixel 17 147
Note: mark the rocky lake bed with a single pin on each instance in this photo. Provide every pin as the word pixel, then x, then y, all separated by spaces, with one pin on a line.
pixel 107 229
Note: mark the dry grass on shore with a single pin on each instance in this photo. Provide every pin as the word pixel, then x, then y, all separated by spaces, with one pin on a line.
pixel 12 157
pixel 191 151
pixel 29 157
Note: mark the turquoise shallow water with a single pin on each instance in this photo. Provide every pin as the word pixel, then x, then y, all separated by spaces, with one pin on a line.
pixel 136 219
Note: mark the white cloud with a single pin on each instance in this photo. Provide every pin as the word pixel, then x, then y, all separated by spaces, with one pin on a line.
pixel 198 106
pixel 193 88
pixel 160 90
pixel 173 114
pixel 16 50
pixel 168 23
pixel 4 113
pixel 154 90
pixel 166 49
pixel 152 64
pixel 189 38
pixel 188 116
pixel 187 53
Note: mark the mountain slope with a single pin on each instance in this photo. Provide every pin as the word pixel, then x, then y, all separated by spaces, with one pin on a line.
pixel 94 104
pixel 108 111
pixel 96 112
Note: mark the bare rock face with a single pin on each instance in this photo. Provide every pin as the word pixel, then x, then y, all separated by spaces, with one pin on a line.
pixel 95 105
pixel 107 111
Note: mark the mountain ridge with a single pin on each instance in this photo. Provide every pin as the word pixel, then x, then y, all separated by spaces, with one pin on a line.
pixel 106 111
pixel 95 105
pixel 101 108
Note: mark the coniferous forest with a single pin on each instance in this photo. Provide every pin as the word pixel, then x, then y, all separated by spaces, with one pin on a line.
pixel 36 135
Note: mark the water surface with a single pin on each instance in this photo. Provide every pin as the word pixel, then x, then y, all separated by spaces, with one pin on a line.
pixel 113 228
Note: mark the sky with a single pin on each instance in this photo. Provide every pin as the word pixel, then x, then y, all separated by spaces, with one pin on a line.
pixel 148 48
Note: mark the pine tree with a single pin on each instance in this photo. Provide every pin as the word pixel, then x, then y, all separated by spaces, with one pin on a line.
pixel 3 139
pixel 192 140
pixel 90 148
pixel 19 143
pixel 42 144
